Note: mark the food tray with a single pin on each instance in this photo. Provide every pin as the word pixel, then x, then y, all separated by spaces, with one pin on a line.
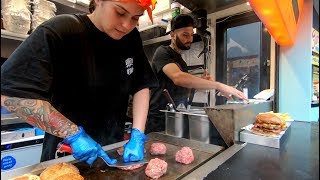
pixel 246 135
pixel 202 153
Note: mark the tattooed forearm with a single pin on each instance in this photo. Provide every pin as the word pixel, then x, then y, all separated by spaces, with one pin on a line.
pixel 41 114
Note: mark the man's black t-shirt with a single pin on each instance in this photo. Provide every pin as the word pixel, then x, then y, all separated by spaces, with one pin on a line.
pixel 82 72
pixel 163 56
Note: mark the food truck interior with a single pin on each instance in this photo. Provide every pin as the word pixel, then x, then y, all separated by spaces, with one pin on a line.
pixel 239 44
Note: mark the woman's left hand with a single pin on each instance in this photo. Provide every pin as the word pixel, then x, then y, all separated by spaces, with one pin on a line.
pixel 134 149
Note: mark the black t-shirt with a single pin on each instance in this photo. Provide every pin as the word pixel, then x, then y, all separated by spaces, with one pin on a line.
pixel 163 56
pixel 82 72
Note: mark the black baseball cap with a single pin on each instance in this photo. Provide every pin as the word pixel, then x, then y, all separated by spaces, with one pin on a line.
pixel 181 21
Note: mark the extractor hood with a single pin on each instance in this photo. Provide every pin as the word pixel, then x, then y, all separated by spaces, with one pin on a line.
pixel 210 6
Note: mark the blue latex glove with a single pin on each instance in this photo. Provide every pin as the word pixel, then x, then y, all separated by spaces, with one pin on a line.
pixel 134 149
pixel 86 149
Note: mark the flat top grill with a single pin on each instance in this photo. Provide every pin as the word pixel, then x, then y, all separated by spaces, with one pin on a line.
pixel 99 170
pixel 174 171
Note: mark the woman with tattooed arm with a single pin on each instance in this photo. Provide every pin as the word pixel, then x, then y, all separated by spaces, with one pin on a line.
pixel 73 75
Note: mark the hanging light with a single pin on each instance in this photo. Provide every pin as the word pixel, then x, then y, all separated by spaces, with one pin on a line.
pixel 280 17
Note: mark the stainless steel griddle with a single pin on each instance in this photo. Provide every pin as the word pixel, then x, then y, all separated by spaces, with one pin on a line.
pixel 99 170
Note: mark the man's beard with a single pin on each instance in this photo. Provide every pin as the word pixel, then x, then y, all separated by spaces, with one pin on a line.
pixel 180 45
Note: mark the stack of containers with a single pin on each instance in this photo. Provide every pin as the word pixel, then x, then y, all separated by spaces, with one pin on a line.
pixel 16 15
pixel 42 11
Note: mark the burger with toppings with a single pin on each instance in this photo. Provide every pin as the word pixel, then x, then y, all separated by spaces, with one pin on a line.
pixel 268 124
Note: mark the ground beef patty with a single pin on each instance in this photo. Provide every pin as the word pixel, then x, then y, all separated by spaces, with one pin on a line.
pixel 184 155
pixel 156 168
pixel 158 148
pixel 120 151
pixel 129 168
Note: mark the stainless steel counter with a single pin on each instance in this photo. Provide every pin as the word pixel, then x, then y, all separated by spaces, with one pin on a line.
pixel 7 119
pixel 38 168
pixel 298 158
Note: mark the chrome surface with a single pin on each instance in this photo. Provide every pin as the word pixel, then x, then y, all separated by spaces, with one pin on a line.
pixel 275 142
pixel 177 124
pixel 10 119
pixel 209 5
pixel 214 163
pixel 230 118
pixel 121 164
pixel 199 128
pixel 38 168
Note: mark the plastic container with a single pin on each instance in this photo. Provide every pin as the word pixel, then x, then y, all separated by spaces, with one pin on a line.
pixel 4 110
pixel 175 9
pixel 39 131
pixel 181 106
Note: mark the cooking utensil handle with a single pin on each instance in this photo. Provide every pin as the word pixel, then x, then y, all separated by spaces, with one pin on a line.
pixel 64 147
pixel 166 93
pixel 190 99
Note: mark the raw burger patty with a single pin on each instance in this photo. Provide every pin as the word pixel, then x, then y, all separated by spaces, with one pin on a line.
pixel 120 151
pixel 184 155
pixel 156 168
pixel 158 148
pixel 128 168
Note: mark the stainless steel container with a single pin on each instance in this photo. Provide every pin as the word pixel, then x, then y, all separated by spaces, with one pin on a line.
pixel 199 128
pixel 177 124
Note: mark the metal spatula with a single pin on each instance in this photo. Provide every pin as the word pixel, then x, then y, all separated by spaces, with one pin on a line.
pixel 66 148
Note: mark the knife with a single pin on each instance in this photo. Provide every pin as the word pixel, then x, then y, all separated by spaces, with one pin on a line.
pixel 66 148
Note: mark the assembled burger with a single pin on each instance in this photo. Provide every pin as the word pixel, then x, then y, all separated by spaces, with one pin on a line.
pixel 268 124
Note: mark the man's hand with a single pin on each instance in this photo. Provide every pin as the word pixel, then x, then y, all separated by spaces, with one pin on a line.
pixel 134 149
pixel 206 76
pixel 86 149
pixel 228 91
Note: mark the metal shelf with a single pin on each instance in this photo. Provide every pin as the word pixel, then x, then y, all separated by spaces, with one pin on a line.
pixel 7 119
pixel 149 27
pixel 156 40
pixel 61 5
pixel 11 35
pixel 71 5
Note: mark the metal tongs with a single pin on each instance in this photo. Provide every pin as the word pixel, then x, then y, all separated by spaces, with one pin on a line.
pixel 61 147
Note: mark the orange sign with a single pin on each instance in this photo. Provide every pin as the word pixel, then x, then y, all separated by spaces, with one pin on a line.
pixel 281 18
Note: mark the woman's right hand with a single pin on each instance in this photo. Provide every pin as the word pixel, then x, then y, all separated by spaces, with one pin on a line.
pixel 86 149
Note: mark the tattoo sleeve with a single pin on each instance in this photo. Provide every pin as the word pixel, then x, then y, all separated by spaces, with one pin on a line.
pixel 41 114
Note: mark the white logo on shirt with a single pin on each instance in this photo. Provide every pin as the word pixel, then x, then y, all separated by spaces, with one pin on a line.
pixel 129 66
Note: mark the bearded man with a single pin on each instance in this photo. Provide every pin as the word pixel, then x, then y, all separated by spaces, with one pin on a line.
pixel 172 73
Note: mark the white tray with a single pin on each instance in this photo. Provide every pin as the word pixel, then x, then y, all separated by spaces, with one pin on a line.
pixel 246 135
